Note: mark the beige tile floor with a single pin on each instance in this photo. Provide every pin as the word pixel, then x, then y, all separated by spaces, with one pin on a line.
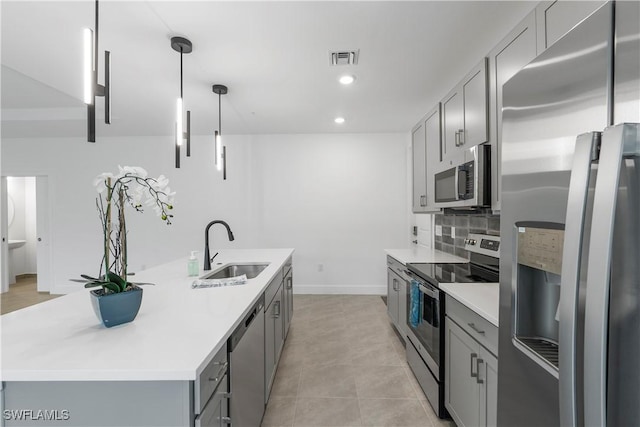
pixel 344 365
pixel 22 294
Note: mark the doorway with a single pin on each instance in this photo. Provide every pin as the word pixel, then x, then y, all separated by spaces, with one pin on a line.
pixel 26 257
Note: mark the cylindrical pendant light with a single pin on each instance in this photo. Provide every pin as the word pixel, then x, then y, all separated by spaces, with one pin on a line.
pixel 91 86
pixel 220 151
pixel 182 45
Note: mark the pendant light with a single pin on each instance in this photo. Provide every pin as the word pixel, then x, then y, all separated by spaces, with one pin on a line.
pixel 91 86
pixel 220 150
pixel 182 45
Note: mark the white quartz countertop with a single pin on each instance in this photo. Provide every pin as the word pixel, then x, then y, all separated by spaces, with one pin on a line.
pixel 177 332
pixel 422 254
pixel 483 298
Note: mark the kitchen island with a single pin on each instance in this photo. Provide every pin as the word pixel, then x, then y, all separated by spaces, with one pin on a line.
pixel 57 356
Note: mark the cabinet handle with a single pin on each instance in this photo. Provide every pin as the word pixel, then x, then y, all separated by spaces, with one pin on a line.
pixel 226 420
pixel 276 309
pixel 473 326
pixel 289 283
pixel 457 139
pixel 220 373
pixel 473 375
pixel 478 380
pixel 461 136
pixel 395 284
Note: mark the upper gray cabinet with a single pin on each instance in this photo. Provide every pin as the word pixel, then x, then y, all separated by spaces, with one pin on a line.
pixel 464 113
pixel 515 51
pixel 556 18
pixel 425 143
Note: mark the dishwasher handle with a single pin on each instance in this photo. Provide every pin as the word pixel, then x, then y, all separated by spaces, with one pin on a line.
pixel 235 337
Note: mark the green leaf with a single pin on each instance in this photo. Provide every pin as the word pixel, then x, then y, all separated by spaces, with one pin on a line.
pixel 113 287
pixel 93 284
pixel 86 276
pixel 112 277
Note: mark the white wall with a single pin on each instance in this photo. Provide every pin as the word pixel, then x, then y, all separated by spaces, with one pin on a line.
pixel 338 199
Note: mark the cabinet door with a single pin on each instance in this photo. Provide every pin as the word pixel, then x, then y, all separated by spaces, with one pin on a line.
pixel 509 56
pixel 452 122
pixel 278 323
pixel 556 18
pixel 488 377
pixel 393 282
pixel 402 308
pixel 419 170
pixel 215 413
pixel 462 391
pixel 269 349
pixel 475 96
pixel 288 301
pixel 433 136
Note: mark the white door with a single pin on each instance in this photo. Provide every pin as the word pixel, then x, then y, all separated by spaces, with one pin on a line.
pixel 43 244
pixel 4 230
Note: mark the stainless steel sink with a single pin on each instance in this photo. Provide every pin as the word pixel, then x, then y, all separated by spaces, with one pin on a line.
pixel 232 270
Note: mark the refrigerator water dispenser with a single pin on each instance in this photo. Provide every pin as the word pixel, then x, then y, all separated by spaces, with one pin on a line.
pixel 537 273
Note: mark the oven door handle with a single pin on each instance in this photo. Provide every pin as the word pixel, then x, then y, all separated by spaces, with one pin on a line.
pixel 433 294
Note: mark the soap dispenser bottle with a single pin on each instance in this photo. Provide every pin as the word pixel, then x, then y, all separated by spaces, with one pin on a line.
pixel 192 264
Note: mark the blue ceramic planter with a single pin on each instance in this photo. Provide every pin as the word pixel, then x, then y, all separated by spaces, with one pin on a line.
pixel 116 309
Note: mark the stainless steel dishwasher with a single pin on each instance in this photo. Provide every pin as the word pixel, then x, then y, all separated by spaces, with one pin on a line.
pixel 246 372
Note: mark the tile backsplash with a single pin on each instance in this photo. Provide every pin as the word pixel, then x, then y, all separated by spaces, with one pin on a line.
pixel 464 223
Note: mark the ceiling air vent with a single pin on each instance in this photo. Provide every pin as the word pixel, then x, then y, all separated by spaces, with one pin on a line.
pixel 344 57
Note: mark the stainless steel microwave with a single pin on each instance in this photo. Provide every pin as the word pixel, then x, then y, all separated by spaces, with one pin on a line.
pixel 466 183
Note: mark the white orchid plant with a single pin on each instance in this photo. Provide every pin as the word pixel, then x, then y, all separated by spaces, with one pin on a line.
pixel 131 186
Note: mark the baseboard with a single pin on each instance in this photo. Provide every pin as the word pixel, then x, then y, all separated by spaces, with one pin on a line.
pixel 340 289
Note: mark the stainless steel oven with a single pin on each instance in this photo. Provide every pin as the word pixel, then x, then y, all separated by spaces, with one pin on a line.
pixel 467 183
pixel 426 310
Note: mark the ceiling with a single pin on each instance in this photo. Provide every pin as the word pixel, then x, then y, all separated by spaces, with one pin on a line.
pixel 273 56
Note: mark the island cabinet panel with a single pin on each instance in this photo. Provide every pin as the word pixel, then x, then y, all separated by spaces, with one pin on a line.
pixel 273 334
pixel 98 403
pixel 288 296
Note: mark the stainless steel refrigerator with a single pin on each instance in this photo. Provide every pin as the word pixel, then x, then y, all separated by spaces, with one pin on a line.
pixel 569 351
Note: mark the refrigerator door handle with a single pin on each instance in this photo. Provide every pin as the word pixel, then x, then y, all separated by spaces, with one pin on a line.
pixel 617 142
pixel 586 151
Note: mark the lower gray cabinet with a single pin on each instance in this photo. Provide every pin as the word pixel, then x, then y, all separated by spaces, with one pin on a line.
pixel 273 336
pixel 397 295
pixel 471 379
pixel 216 411
pixel 288 296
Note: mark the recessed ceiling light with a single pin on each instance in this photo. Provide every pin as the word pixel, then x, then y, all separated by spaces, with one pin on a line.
pixel 346 79
pixel 339 120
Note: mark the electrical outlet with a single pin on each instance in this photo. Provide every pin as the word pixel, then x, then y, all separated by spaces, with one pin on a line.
pixel 453 232
pixel 439 230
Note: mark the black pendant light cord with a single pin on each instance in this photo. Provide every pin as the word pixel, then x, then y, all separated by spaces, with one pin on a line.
pixel 181 96
pixel 95 49
pixel 219 114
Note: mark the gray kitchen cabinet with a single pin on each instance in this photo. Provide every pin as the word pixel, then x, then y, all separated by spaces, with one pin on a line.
pixel 273 333
pixel 397 283
pixel 393 284
pixel 465 113
pixel 471 369
pixel 419 158
pixel 515 51
pixel 556 18
pixel 287 295
pixel 462 393
pixel 216 412
pixel 425 143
